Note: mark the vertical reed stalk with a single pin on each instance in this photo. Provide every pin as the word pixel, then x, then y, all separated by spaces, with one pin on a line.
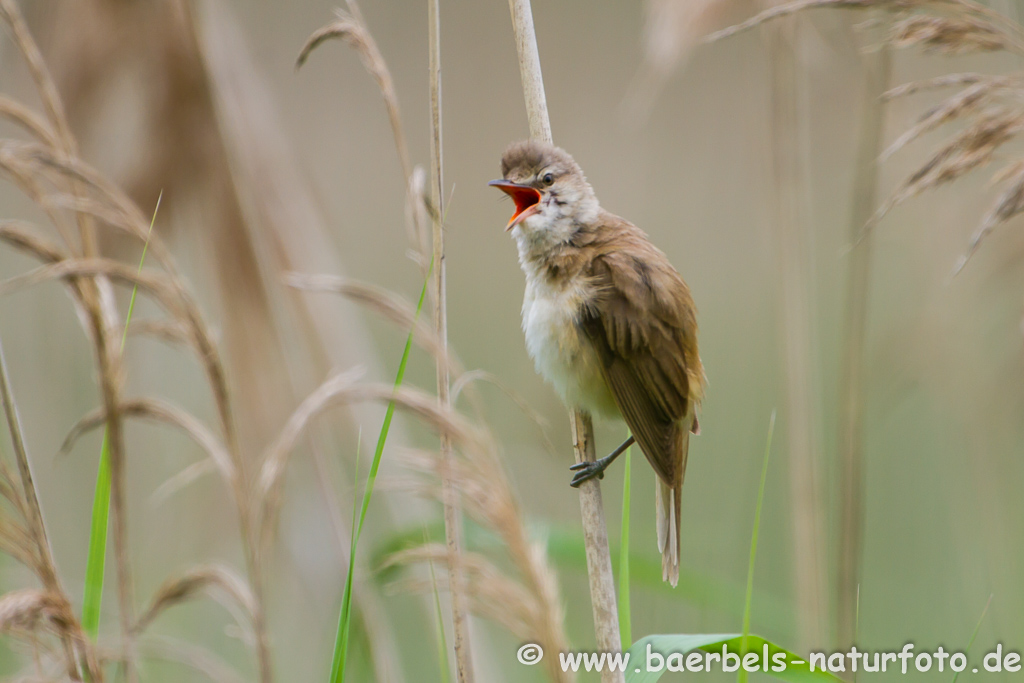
pixel 452 518
pixel 595 532
pixel 37 530
pixel 254 568
pixel 595 541
pixel 529 70
pixel 796 326
pixel 877 67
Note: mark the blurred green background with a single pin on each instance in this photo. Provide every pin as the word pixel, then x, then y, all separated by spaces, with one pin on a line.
pixel 944 365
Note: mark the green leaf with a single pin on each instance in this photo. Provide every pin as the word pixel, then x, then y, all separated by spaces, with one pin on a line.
pixel 344 618
pixel 674 648
pixel 96 562
pixel 95 565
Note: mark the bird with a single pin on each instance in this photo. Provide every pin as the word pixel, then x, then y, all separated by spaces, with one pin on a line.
pixel 608 322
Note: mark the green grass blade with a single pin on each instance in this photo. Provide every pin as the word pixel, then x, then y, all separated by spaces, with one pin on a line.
pixel 674 647
pixel 341 638
pixel 442 642
pixel 96 562
pixel 625 622
pixel 741 677
pixel 977 627
pixel 92 599
pixel 344 619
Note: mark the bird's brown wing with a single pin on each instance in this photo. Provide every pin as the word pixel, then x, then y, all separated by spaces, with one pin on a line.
pixel 642 322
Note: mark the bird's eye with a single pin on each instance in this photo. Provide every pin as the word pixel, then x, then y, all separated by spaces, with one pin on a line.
pixel 549 179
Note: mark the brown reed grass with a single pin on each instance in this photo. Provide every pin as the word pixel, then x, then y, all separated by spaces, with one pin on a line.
pixel 57 180
pixel 75 196
pixel 96 301
pixel 987 107
pixel 25 538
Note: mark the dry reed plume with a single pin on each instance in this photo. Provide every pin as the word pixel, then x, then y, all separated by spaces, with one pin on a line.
pixel 988 106
pixel 48 171
pixel 23 536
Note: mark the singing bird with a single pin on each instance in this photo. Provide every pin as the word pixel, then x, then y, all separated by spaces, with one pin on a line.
pixel 608 321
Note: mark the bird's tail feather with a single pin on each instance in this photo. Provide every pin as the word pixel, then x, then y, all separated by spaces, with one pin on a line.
pixel 669 507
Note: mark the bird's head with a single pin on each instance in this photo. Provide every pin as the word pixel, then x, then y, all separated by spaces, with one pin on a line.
pixel 548 187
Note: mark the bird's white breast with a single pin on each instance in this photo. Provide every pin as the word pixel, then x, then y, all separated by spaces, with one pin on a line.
pixel 560 352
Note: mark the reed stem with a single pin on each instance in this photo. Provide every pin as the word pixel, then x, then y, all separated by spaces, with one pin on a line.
pixel 877 68
pixel 796 326
pixel 452 518
pixel 37 528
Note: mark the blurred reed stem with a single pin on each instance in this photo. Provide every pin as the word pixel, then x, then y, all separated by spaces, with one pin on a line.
pixel 450 496
pixel 595 532
pixel 529 70
pixel 796 324
pixel 37 528
pixel 877 71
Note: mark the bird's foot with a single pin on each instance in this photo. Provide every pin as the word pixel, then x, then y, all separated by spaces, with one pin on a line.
pixel 586 471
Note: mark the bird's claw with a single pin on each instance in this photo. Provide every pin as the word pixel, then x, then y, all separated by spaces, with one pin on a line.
pixel 586 471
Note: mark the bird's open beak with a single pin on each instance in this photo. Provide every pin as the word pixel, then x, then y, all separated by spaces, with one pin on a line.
pixel 527 200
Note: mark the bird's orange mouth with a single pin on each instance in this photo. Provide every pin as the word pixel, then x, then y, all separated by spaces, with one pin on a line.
pixel 527 200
